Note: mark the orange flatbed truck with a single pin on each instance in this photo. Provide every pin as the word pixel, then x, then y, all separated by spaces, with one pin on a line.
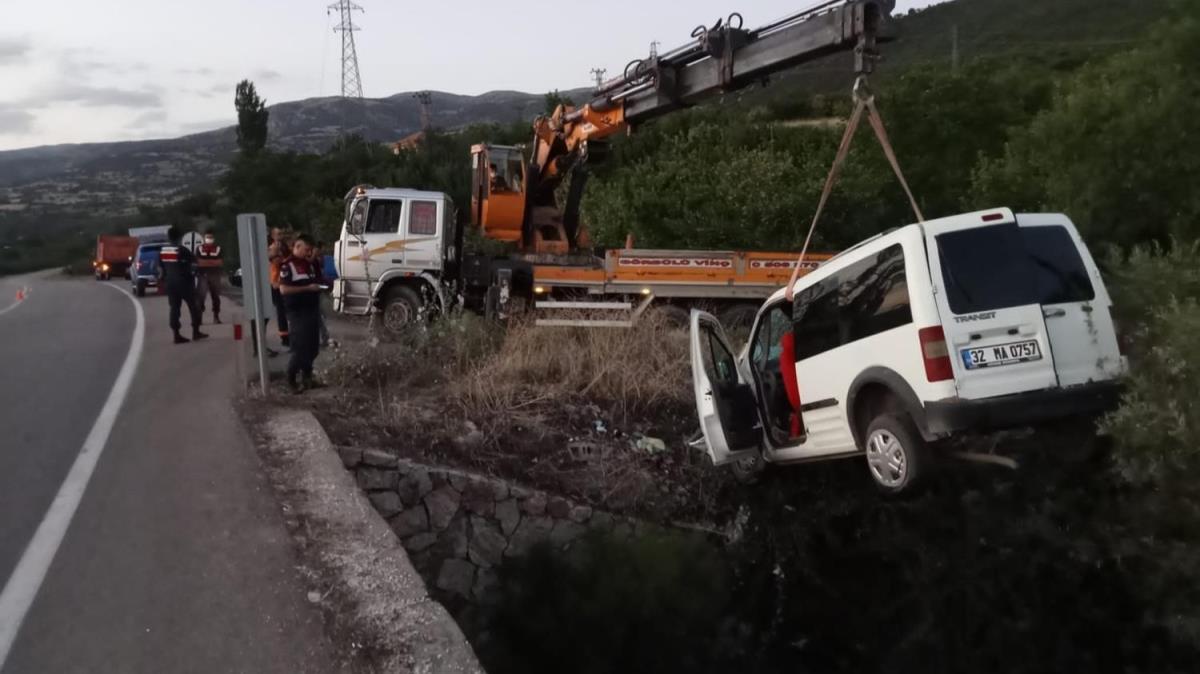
pixel 732 283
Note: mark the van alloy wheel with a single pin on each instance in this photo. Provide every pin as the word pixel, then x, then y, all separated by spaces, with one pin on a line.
pixel 887 458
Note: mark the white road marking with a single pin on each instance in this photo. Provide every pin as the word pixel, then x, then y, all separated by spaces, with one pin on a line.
pixel 24 293
pixel 22 587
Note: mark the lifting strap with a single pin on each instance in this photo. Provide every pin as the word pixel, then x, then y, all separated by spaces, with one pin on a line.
pixel 864 101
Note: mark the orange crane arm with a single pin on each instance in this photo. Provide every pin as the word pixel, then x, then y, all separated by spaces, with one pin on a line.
pixel 523 206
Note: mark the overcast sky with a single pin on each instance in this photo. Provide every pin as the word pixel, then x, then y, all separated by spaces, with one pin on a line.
pixel 98 70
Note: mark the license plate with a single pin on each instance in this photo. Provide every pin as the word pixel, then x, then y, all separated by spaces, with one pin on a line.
pixel 1001 354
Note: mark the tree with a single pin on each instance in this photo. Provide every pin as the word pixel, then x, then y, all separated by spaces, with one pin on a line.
pixel 553 99
pixel 1117 149
pixel 252 118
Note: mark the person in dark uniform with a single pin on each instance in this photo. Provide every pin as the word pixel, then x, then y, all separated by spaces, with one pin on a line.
pixel 300 287
pixel 177 268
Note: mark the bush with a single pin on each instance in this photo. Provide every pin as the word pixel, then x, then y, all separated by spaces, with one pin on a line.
pixel 1159 415
pixel 653 604
pixel 1146 277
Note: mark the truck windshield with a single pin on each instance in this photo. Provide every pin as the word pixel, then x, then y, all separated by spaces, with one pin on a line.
pixel 1001 266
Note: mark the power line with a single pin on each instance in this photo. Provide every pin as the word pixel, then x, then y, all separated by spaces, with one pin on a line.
pixel 351 80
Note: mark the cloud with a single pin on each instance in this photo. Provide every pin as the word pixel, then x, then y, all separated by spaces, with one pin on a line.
pixel 13 49
pixel 83 94
pixel 15 122
pixel 153 118
pixel 267 75
pixel 203 71
pixel 211 91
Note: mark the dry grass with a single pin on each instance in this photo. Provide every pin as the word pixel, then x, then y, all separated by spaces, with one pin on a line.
pixel 629 372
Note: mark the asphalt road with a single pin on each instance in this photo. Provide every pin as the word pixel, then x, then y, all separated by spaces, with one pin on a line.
pixel 177 558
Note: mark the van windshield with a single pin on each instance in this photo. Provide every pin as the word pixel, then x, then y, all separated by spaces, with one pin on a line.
pixel 1001 266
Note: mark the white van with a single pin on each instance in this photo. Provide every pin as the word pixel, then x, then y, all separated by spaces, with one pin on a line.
pixel 970 323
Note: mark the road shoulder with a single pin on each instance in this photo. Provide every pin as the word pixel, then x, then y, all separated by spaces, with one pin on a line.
pixel 374 600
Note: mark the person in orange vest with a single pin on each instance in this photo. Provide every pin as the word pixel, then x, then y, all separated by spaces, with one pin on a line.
pixel 208 275
pixel 279 251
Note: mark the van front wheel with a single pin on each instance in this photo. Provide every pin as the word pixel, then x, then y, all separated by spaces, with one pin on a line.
pixel 897 456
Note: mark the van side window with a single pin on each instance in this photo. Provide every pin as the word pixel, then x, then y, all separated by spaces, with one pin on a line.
pixel 861 300
pixel 875 298
pixel 718 362
pixel 422 217
pixel 816 317
pixel 384 217
pixel 766 347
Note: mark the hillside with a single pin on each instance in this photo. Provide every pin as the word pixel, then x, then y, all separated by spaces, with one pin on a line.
pixel 62 184
pixel 72 184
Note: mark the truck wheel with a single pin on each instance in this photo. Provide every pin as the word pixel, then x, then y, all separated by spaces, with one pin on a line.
pixel 401 309
pixel 897 457
pixel 140 290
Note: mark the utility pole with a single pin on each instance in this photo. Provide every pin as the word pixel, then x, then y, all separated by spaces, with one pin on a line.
pixel 654 49
pixel 598 75
pixel 954 48
pixel 425 98
pixel 351 81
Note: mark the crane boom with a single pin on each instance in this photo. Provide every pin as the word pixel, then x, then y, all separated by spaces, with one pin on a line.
pixel 516 201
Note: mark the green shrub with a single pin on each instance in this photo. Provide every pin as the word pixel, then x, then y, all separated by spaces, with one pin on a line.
pixel 1159 419
pixel 653 604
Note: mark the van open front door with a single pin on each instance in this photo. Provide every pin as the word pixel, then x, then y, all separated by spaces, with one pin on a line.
pixel 725 401
pixel 990 305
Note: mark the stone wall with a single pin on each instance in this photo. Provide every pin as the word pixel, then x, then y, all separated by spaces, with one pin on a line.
pixel 457 526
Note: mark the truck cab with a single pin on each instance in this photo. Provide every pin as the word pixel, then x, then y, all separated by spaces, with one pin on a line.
pixel 397 250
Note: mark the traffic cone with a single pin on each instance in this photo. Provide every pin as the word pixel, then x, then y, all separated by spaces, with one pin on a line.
pixel 20 294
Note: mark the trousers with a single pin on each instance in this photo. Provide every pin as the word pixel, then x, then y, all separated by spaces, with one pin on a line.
pixel 304 328
pixel 177 295
pixel 281 312
pixel 209 283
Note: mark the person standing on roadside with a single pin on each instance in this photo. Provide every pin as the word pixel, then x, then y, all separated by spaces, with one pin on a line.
pixel 208 280
pixel 177 269
pixel 279 251
pixel 300 286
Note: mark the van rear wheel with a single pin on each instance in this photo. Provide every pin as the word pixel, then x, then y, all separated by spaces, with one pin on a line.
pixel 897 456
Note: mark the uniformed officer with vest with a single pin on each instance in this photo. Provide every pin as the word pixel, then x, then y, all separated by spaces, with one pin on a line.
pixel 300 285
pixel 177 269
pixel 208 277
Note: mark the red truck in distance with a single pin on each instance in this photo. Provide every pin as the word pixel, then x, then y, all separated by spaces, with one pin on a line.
pixel 114 254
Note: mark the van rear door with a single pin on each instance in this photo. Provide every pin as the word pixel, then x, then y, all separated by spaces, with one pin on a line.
pixel 987 297
pixel 1075 302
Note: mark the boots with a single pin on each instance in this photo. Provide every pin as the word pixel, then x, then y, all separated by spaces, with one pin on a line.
pixel 180 339
pixel 216 317
pixel 196 334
